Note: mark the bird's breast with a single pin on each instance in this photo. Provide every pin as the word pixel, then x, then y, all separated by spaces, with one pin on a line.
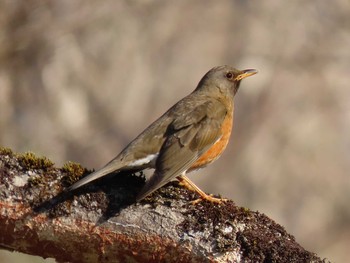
pixel 218 147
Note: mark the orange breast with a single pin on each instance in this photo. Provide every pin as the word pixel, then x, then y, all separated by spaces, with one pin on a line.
pixel 216 150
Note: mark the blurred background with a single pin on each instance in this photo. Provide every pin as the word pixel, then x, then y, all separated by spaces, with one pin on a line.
pixel 80 79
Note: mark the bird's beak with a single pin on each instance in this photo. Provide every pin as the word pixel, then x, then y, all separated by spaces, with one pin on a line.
pixel 246 73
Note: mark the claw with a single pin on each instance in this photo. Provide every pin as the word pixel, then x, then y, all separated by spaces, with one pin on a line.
pixel 209 198
pixel 187 183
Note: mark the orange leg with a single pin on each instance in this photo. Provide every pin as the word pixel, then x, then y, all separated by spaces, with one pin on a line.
pixel 186 182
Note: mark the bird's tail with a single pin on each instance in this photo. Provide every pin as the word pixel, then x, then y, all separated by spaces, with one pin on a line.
pixel 92 177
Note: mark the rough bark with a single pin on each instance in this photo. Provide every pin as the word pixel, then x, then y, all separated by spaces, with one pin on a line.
pixel 101 223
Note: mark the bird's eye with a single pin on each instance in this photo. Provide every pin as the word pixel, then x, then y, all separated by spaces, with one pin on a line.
pixel 229 75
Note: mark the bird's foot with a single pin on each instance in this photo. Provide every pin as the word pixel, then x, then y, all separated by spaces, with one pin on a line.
pixel 209 198
pixel 187 183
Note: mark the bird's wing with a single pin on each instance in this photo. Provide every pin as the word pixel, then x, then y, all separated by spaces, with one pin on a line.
pixel 188 137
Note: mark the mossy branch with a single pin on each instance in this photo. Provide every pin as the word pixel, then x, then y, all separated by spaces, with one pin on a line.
pixel 101 223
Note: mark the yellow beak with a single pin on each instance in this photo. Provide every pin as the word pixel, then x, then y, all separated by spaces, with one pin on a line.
pixel 246 73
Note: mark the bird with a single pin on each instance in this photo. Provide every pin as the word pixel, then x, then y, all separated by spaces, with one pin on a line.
pixel 193 133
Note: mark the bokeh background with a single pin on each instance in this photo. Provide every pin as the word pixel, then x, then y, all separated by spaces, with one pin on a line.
pixel 80 78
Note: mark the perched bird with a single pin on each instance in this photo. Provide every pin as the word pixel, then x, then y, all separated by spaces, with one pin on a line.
pixel 190 135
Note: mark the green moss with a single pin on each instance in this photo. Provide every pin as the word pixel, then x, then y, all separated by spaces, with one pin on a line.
pixel 245 210
pixel 30 161
pixel 36 181
pixel 73 172
pixel 6 151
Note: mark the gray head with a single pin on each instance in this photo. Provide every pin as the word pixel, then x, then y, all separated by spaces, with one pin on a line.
pixel 225 78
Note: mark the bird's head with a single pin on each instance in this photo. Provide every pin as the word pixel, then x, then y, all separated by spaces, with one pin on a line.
pixel 225 78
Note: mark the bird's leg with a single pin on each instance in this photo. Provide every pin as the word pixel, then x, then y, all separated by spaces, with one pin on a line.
pixel 186 182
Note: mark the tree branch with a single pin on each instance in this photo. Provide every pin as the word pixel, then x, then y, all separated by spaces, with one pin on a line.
pixel 101 223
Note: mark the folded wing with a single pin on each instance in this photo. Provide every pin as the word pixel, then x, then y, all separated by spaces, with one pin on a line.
pixel 187 138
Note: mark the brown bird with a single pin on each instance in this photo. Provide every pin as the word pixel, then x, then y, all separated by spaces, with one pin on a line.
pixel 190 135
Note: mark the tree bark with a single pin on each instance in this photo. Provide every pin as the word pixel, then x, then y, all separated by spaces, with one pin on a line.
pixel 102 223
